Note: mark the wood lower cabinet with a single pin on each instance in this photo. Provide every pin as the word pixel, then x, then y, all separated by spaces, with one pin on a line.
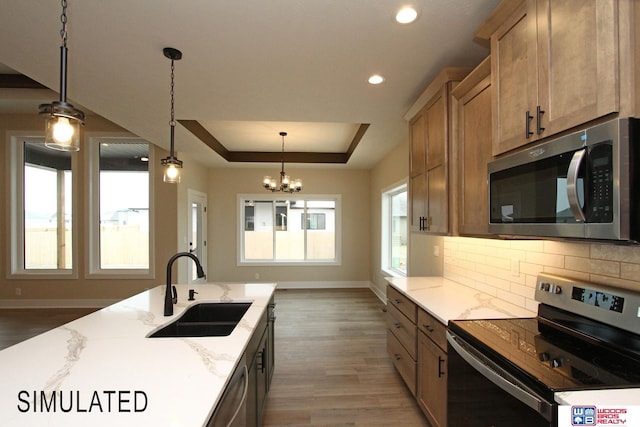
pixel 432 369
pixel 401 336
pixel 416 343
pixel 432 381
pixel 260 364
pixel 474 149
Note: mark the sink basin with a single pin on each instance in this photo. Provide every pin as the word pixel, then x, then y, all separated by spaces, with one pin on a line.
pixel 207 319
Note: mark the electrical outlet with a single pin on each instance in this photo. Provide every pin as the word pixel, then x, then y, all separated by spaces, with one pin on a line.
pixel 18 291
pixel 257 276
pixel 436 251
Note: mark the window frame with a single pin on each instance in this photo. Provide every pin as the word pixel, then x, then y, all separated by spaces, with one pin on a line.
pixel 386 229
pixel 16 222
pixel 92 202
pixel 241 198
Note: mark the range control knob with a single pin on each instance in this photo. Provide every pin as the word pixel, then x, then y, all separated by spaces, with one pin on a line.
pixel 544 356
pixel 556 289
pixel 544 286
pixel 556 363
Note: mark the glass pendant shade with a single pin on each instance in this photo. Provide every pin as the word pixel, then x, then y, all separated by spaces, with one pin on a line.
pixel 171 174
pixel 62 133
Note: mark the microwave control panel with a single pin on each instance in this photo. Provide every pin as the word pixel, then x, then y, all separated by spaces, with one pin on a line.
pixel 600 201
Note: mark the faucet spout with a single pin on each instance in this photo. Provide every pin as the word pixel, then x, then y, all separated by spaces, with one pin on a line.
pixel 170 295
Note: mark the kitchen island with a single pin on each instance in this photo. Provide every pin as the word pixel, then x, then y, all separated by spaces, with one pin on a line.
pixel 102 369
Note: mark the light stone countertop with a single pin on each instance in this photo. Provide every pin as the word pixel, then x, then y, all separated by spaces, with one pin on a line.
pixel 104 368
pixel 448 300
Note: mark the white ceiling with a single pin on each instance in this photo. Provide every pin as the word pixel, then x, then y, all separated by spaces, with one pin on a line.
pixel 250 68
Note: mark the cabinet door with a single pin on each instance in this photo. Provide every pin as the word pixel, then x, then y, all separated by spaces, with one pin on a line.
pixel 578 63
pixel 437 200
pixel 417 145
pixel 514 80
pixel 418 196
pixel 475 153
pixel 432 381
pixel 436 129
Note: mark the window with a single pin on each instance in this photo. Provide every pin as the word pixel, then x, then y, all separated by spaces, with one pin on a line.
pixel 289 230
pixel 121 218
pixel 394 230
pixel 41 214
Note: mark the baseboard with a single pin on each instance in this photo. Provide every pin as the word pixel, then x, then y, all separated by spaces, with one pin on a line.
pixel 379 293
pixel 56 303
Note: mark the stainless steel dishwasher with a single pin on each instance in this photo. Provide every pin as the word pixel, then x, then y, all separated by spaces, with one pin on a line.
pixel 232 408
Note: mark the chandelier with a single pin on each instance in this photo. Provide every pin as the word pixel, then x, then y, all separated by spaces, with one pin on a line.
pixel 172 164
pixel 286 185
pixel 62 119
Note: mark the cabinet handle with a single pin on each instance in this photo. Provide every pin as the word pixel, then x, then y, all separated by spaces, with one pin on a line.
pixel 440 371
pixel 527 132
pixel 397 325
pixel 421 226
pixel 539 113
pixel 428 221
pixel 397 301
pixel 397 356
pixel 428 327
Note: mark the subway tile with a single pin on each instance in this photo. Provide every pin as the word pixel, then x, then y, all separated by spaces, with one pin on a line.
pixel 577 263
pixel 619 253
pixel 550 260
pixel 604 268
pixel 630 271
pixel 528 245
pixel 566 248
pixel 512 298
pixel 524 291
pixel 531 269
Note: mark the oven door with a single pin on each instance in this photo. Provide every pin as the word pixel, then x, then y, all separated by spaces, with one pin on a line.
pixel 481 393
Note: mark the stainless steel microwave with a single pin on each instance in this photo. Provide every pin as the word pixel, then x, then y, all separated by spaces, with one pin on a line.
pixel 583 185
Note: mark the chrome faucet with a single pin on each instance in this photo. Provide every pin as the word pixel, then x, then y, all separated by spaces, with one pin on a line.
pixel 171 295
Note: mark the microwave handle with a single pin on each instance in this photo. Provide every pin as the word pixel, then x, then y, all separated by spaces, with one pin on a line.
pixel 572 184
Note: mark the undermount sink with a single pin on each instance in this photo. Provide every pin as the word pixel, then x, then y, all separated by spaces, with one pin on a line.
pixel 207 319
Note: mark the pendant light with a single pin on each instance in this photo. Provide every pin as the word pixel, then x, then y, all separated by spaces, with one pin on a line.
pixel 172 164
pixel 62 119
pixel 286 185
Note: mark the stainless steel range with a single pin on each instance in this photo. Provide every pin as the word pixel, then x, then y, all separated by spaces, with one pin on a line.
pixel 505 372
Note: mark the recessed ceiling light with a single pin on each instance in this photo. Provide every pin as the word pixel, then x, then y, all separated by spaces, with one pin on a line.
pixel 376 79
pixel 406 15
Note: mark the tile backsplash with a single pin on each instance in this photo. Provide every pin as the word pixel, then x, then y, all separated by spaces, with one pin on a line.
pixel 507 269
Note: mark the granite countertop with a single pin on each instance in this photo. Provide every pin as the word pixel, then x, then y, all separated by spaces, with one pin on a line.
pixel 447 300
pixel 102 370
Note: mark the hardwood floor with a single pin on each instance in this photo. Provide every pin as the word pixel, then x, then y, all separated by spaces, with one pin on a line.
pixel 332 368
pixel 19 324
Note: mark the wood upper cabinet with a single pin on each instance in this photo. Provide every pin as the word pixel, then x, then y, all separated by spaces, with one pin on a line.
pixel 555 65
pixel 474 149
pixel 431 124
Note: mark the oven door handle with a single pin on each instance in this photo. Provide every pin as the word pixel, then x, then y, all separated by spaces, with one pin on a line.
pixel 500 377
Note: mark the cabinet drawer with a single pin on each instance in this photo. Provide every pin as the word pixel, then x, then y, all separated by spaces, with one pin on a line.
pixel 402 303
pixel 433 328
pixel 403 363
pixel 404 330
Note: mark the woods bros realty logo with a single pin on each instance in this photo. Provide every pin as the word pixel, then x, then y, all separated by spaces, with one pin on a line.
pixel 594 416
